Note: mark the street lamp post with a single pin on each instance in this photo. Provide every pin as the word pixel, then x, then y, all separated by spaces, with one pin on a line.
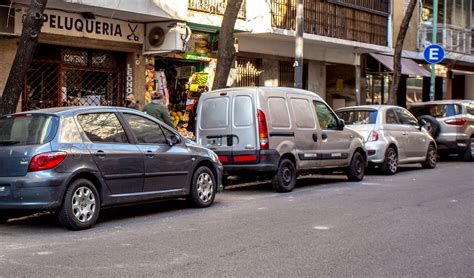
pixel 434 41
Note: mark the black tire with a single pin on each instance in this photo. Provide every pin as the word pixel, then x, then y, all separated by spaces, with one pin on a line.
pixel 469 153
pixel 431 157
pixel 203 188
pixel 390 163
pixel 356 170
pixel 430 124
pixel 4 217
pixel 81 205
pixel 284 179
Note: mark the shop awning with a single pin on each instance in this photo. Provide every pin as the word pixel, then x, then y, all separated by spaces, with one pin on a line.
pixel 409 67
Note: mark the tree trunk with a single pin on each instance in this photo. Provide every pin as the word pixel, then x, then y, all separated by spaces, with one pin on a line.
pixel 226 49
pixel 28 41
pixel 397 57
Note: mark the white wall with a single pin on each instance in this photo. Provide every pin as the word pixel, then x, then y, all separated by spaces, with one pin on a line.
pixel 317 78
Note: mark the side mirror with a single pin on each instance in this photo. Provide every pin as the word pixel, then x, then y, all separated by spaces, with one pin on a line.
pixel 173 140
pixel 340 124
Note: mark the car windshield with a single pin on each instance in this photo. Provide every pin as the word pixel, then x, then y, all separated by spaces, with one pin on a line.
pixel 358 117
pixel 437 110
pixel 27 129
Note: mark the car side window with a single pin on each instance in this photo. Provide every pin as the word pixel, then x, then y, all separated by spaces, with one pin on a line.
pixel 145 130
pixel 326 118
pixel 390 117
pixel 405 117
pixel 102 128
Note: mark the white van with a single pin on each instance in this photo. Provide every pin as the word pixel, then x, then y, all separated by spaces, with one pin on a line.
pixel 277 131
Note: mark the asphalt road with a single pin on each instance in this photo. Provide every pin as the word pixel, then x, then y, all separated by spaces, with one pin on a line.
pixel 418 223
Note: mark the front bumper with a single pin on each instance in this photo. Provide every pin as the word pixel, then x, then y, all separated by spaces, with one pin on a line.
pixel 37 190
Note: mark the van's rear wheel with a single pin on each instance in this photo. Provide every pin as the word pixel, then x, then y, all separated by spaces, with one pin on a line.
pixel 4 217
pixel 81 205
pixel 356 170
pixel 284 179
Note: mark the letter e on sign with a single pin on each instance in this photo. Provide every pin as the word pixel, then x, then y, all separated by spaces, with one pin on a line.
pixel 434 54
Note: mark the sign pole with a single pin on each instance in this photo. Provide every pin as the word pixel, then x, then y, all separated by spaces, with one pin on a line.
pixel 434 41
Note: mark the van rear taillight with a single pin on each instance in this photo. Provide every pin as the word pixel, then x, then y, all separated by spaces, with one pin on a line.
pixel 46 161
pixel 456 121
pixel 223 158
pixel 262 130
pixel 245 158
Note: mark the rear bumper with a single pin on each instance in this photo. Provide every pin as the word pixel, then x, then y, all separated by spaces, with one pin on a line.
pixel 38 190
pixel 376 151
pixel 268 162
pixel 452 143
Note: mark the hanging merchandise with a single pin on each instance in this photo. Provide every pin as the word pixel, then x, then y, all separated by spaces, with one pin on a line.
pixel 149 77
pixel 160 80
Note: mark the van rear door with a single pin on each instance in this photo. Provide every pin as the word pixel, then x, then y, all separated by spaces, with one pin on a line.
pixel 244 128
pixel 214 126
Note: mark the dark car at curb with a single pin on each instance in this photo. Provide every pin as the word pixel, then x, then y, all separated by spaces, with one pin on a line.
pixel 77 160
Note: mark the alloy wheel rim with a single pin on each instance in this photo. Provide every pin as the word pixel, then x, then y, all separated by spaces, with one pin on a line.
pixel 432 157
pixel 358 166
pixel 205 187
pixel 83 204
pixel 392 161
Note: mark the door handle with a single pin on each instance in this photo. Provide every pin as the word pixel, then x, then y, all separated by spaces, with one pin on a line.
pixel 315 137
pixel 100 154
pixel 404 133
pixel 324 136
pixel 150 154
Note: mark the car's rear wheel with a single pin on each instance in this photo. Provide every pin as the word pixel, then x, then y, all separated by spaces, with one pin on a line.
pixel 81 205
pixel 356 170
pixel 284 179
pixel 431 158
pixel 469 153
pixel 390 164
pixel 203 187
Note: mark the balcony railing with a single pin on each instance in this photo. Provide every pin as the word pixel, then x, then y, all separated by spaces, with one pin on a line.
pixel 452 38
pixel 214 7
pixel 342 19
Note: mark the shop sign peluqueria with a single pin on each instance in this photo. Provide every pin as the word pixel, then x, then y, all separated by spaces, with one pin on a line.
pixel 75 25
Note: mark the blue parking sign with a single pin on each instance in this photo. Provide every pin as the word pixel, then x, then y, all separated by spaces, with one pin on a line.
pixel 434 54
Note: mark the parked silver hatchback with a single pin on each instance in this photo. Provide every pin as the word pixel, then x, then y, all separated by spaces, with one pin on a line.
pixel 392 136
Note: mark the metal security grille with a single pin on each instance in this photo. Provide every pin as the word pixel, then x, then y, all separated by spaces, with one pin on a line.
pixel 287 74
pixel 248 72
pixel 214 6
pixel 73 77
pixel 41 86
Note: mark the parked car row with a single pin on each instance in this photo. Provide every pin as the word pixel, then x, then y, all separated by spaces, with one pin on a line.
pixel 77 160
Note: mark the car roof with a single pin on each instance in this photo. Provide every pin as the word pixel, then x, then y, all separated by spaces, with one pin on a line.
pixel 365 107
pixel 267 89
pixel 446 101
pixel 71 110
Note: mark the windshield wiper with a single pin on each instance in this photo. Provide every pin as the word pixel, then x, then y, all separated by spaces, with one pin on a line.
pixel 8 143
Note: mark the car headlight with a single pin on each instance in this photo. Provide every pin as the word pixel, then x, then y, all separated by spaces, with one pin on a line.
pixel 214 157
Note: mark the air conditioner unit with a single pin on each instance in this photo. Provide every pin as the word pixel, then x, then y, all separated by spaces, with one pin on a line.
pixel 7 24
pixel 166 37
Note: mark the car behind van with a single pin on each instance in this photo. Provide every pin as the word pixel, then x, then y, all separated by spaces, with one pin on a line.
pixel 278 132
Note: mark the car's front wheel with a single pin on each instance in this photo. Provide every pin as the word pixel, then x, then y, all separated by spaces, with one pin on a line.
pixel 203 187
pixel 81 205
pixel 356 170
pixel 431 157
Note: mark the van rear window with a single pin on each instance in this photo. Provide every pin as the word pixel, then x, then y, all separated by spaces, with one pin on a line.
pixel 215 113
pixel 27 129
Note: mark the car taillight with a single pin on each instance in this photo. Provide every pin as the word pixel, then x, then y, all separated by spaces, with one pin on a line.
pixel 456 121
pixel 46 161
pixel 373 136
pixel 262 130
